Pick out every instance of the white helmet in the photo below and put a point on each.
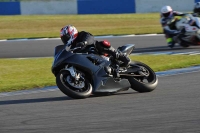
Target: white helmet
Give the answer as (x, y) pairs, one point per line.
(167, 11)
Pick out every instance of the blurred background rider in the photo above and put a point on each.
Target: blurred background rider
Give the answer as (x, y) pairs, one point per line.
(168, 22)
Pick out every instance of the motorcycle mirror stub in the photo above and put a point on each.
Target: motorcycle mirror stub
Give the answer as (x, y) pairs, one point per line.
(127, 48)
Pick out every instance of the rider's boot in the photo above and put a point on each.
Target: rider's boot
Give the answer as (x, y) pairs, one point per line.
(121, 57)
(108, 70)
(171, 44)
(114, 72)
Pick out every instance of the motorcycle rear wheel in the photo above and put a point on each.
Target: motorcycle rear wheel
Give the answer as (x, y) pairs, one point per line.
(62, 81)
(184, 44)
(143, 84)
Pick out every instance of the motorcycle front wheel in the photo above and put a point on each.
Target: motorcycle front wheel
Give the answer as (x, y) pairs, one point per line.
(144, 78)
(82, 89)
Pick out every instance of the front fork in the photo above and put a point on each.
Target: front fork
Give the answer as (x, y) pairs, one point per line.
(76, 76)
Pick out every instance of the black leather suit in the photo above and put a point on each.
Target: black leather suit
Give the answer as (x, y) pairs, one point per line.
(87, 39)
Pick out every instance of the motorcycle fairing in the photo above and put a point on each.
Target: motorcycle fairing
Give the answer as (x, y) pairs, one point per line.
(78, 60)
(103, 83)
(110, 85)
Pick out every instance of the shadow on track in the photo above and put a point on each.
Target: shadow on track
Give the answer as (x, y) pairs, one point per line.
(36, 100)
(113, 94)
(63, 98)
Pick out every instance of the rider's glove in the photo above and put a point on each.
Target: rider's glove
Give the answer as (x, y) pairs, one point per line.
(81, 44)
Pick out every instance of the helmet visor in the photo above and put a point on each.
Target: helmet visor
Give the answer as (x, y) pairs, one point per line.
(166, 14)
(65, 38)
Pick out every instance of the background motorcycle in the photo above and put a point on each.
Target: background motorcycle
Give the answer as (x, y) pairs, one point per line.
(191, 27)
(79, 75)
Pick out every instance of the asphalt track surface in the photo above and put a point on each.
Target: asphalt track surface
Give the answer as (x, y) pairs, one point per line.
(173, 107)
(45, 48)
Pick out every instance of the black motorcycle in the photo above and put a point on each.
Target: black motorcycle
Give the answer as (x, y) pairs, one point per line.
(80, 74)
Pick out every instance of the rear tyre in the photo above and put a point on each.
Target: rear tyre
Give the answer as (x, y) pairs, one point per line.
(78, 91)
(146, 83)
(184, 44)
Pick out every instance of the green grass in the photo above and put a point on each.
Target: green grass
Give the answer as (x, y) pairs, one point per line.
(36, 72)
(36, 26)
(25, 74)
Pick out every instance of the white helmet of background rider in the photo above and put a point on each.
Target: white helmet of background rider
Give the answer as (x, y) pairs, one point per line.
(167, 12)
(68, 34)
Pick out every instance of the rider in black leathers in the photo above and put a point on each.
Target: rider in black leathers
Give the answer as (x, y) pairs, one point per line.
(71, 37)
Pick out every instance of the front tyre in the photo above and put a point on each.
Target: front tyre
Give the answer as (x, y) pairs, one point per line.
(64, 81)
(144, 79)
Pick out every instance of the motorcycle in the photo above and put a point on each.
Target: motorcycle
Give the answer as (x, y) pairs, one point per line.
(191, 27)
(82, 74)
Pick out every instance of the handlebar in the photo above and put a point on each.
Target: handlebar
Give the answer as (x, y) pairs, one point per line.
(74, 49)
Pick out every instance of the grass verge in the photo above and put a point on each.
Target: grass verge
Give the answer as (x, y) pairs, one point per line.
(36, 72)
(37, 26)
